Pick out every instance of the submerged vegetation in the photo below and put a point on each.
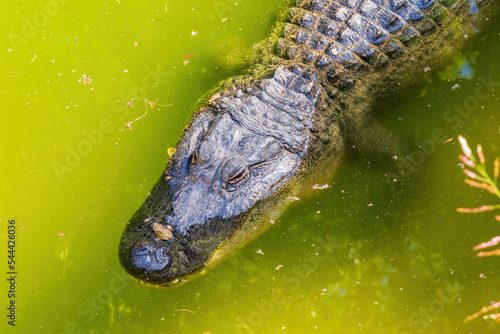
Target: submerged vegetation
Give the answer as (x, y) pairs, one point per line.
(477, 176)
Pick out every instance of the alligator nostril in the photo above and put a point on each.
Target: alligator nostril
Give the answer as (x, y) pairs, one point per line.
(146, 256)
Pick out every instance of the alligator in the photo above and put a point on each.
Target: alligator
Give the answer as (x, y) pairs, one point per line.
(264, 136)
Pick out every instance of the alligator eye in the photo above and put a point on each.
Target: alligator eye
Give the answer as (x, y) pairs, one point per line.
(273, 150)
(237, 176)
(234, 171)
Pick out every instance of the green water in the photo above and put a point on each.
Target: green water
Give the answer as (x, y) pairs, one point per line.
(379, 257)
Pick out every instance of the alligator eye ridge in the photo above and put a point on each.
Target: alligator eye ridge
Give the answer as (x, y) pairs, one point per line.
(235, 173)
(238, 176)
(205, 152)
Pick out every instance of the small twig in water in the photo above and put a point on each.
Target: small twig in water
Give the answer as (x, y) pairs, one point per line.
(152, 104)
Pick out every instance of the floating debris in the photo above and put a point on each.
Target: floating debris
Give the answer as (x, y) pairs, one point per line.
(34, 57)
(187, 55)
(293, 199)
(85, 79)
(152, 104)
(61, 234)
(317, 186)
(171, 151)
(162, 232)
(259, 252)
(427, 69)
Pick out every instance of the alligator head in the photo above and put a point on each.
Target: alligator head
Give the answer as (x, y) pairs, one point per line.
(238, 151)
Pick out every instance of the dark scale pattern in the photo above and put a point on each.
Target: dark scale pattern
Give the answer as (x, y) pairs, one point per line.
(356, 34)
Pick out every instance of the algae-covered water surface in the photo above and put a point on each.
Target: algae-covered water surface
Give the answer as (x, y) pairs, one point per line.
(382, 250)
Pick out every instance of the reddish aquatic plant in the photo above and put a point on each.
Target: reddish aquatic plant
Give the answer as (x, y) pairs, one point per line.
(478, 177)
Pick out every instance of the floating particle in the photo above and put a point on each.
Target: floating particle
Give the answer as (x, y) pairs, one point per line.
(61, 234)
(293, 199)
(86, 79)
(427, 69)
(163, 232)
(317, 186)
(259, 252)
(187, 55)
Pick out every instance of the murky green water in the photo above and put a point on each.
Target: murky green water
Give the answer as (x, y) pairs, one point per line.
(367, 255)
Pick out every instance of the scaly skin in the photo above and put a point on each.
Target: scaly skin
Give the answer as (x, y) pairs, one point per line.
(261, 137)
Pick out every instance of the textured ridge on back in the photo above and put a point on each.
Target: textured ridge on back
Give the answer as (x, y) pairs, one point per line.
(340, 35)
